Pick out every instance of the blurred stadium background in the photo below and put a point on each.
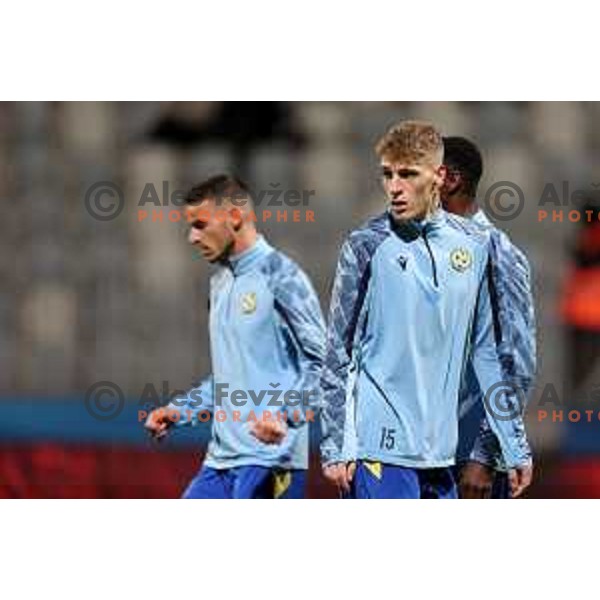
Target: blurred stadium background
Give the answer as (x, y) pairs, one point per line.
(84, 301)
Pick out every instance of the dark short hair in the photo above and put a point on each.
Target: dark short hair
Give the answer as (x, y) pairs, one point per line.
(217, 188)
(462, 155)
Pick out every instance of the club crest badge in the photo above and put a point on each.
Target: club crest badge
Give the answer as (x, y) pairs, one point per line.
(403, 261)
(249, 303)
(461, 259)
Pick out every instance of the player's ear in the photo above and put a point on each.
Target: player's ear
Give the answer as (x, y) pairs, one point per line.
(440, 175)
(452, 181)
(237, 217)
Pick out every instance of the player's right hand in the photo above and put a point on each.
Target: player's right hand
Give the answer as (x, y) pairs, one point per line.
(269, 432)
(157, 423)
(340, 474)
(475, 481)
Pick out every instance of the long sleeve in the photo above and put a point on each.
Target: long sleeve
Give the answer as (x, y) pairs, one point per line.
(502, 401)
(513, 309)
(486, 450)
(349, 290)
(298, 305)
(193, 402)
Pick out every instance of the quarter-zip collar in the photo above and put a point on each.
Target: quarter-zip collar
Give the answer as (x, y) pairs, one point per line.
(245, 261)
(432, 223)
(411, 230)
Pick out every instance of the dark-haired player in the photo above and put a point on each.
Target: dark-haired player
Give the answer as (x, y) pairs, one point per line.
(482, 470)
(266, 336)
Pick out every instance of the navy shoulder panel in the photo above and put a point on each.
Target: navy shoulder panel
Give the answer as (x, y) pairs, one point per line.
(285, 276)
(365, 240)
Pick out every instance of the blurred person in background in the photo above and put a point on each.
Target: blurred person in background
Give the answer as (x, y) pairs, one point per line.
(482, 473)
(266, 333)
(409, 302)
(580, 304)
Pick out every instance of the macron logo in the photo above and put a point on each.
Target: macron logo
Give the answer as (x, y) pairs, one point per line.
(403, 260)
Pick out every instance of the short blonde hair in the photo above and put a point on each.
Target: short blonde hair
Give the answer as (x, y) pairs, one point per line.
(416, 142)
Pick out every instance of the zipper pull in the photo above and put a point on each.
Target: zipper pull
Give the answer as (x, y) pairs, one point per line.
(433, 265)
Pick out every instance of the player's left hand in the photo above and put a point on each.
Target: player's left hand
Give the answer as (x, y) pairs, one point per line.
(269, 432)
(520, 479)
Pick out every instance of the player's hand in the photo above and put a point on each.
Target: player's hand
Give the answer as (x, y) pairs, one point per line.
(520, 479)
(475, 481)
(269, 432)
(157, 423)
(340, 474)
